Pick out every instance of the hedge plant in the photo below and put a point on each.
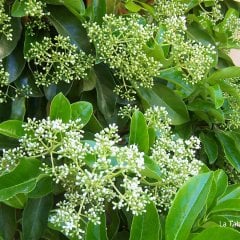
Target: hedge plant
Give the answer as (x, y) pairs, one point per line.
(119, 120)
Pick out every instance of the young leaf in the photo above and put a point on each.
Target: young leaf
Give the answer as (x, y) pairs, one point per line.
(97, 232)
(60, 108)
(218, 233)
(35, 217)
(146, 226)
(12, 128)
(82, 110)
(188, 203)
(139, 132)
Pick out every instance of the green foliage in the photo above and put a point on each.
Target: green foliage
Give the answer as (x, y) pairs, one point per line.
(103, 105)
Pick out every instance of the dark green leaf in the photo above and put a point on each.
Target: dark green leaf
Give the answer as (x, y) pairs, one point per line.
(106, 98)
(147, 225)
(22, 179)
(35, 217)
(188, 203)
(139, 132)
(221, 233)
(60, 108)
(12, 128)
(7, 222)
(210, 146)
(7, 46)
(14, 63)
(82, 110)
(43, 187)
(99, 10)
(97, 232)
(18, 201)
(18, 109)
(113, 222)
(69, 25)
(231, 149)
(162, 96)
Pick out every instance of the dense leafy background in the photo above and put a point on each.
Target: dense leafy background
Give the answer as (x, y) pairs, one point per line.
(204, 203)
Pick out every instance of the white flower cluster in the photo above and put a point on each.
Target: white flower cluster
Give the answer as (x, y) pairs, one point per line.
(192, 57)
(211, 14)
(5, 25)
(99, 171)
(58, 60)
(120, 42)
(195, 59)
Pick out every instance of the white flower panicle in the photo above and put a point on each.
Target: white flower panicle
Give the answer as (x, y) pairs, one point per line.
(120, 43)
(5, 25)
(100, 171)
(58, 60)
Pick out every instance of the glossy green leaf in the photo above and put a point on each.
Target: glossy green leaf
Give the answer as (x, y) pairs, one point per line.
(35, 217)
(221, 180)
(231, 149)
(22, 179)
(82, 110)
(228, 205)
(94, 125)
(207, 107)
(52, 90)
(7, 222)
(188, 203)
(12, 128)
(69, 25)
(18, 9)
(106, 98)
(232, 192)
(99, 9)
(133, 7)
(75, 6)
(210, 146)
(60, 108)
(217, 95)
(17, 201)
(174, 76)
(220, 233)
(151, 169)
(139, 132)
(97, 232)
(43, 187)
(6, 46)
(147, 225)
(162, 96)
(14, 63)
(224, 73)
